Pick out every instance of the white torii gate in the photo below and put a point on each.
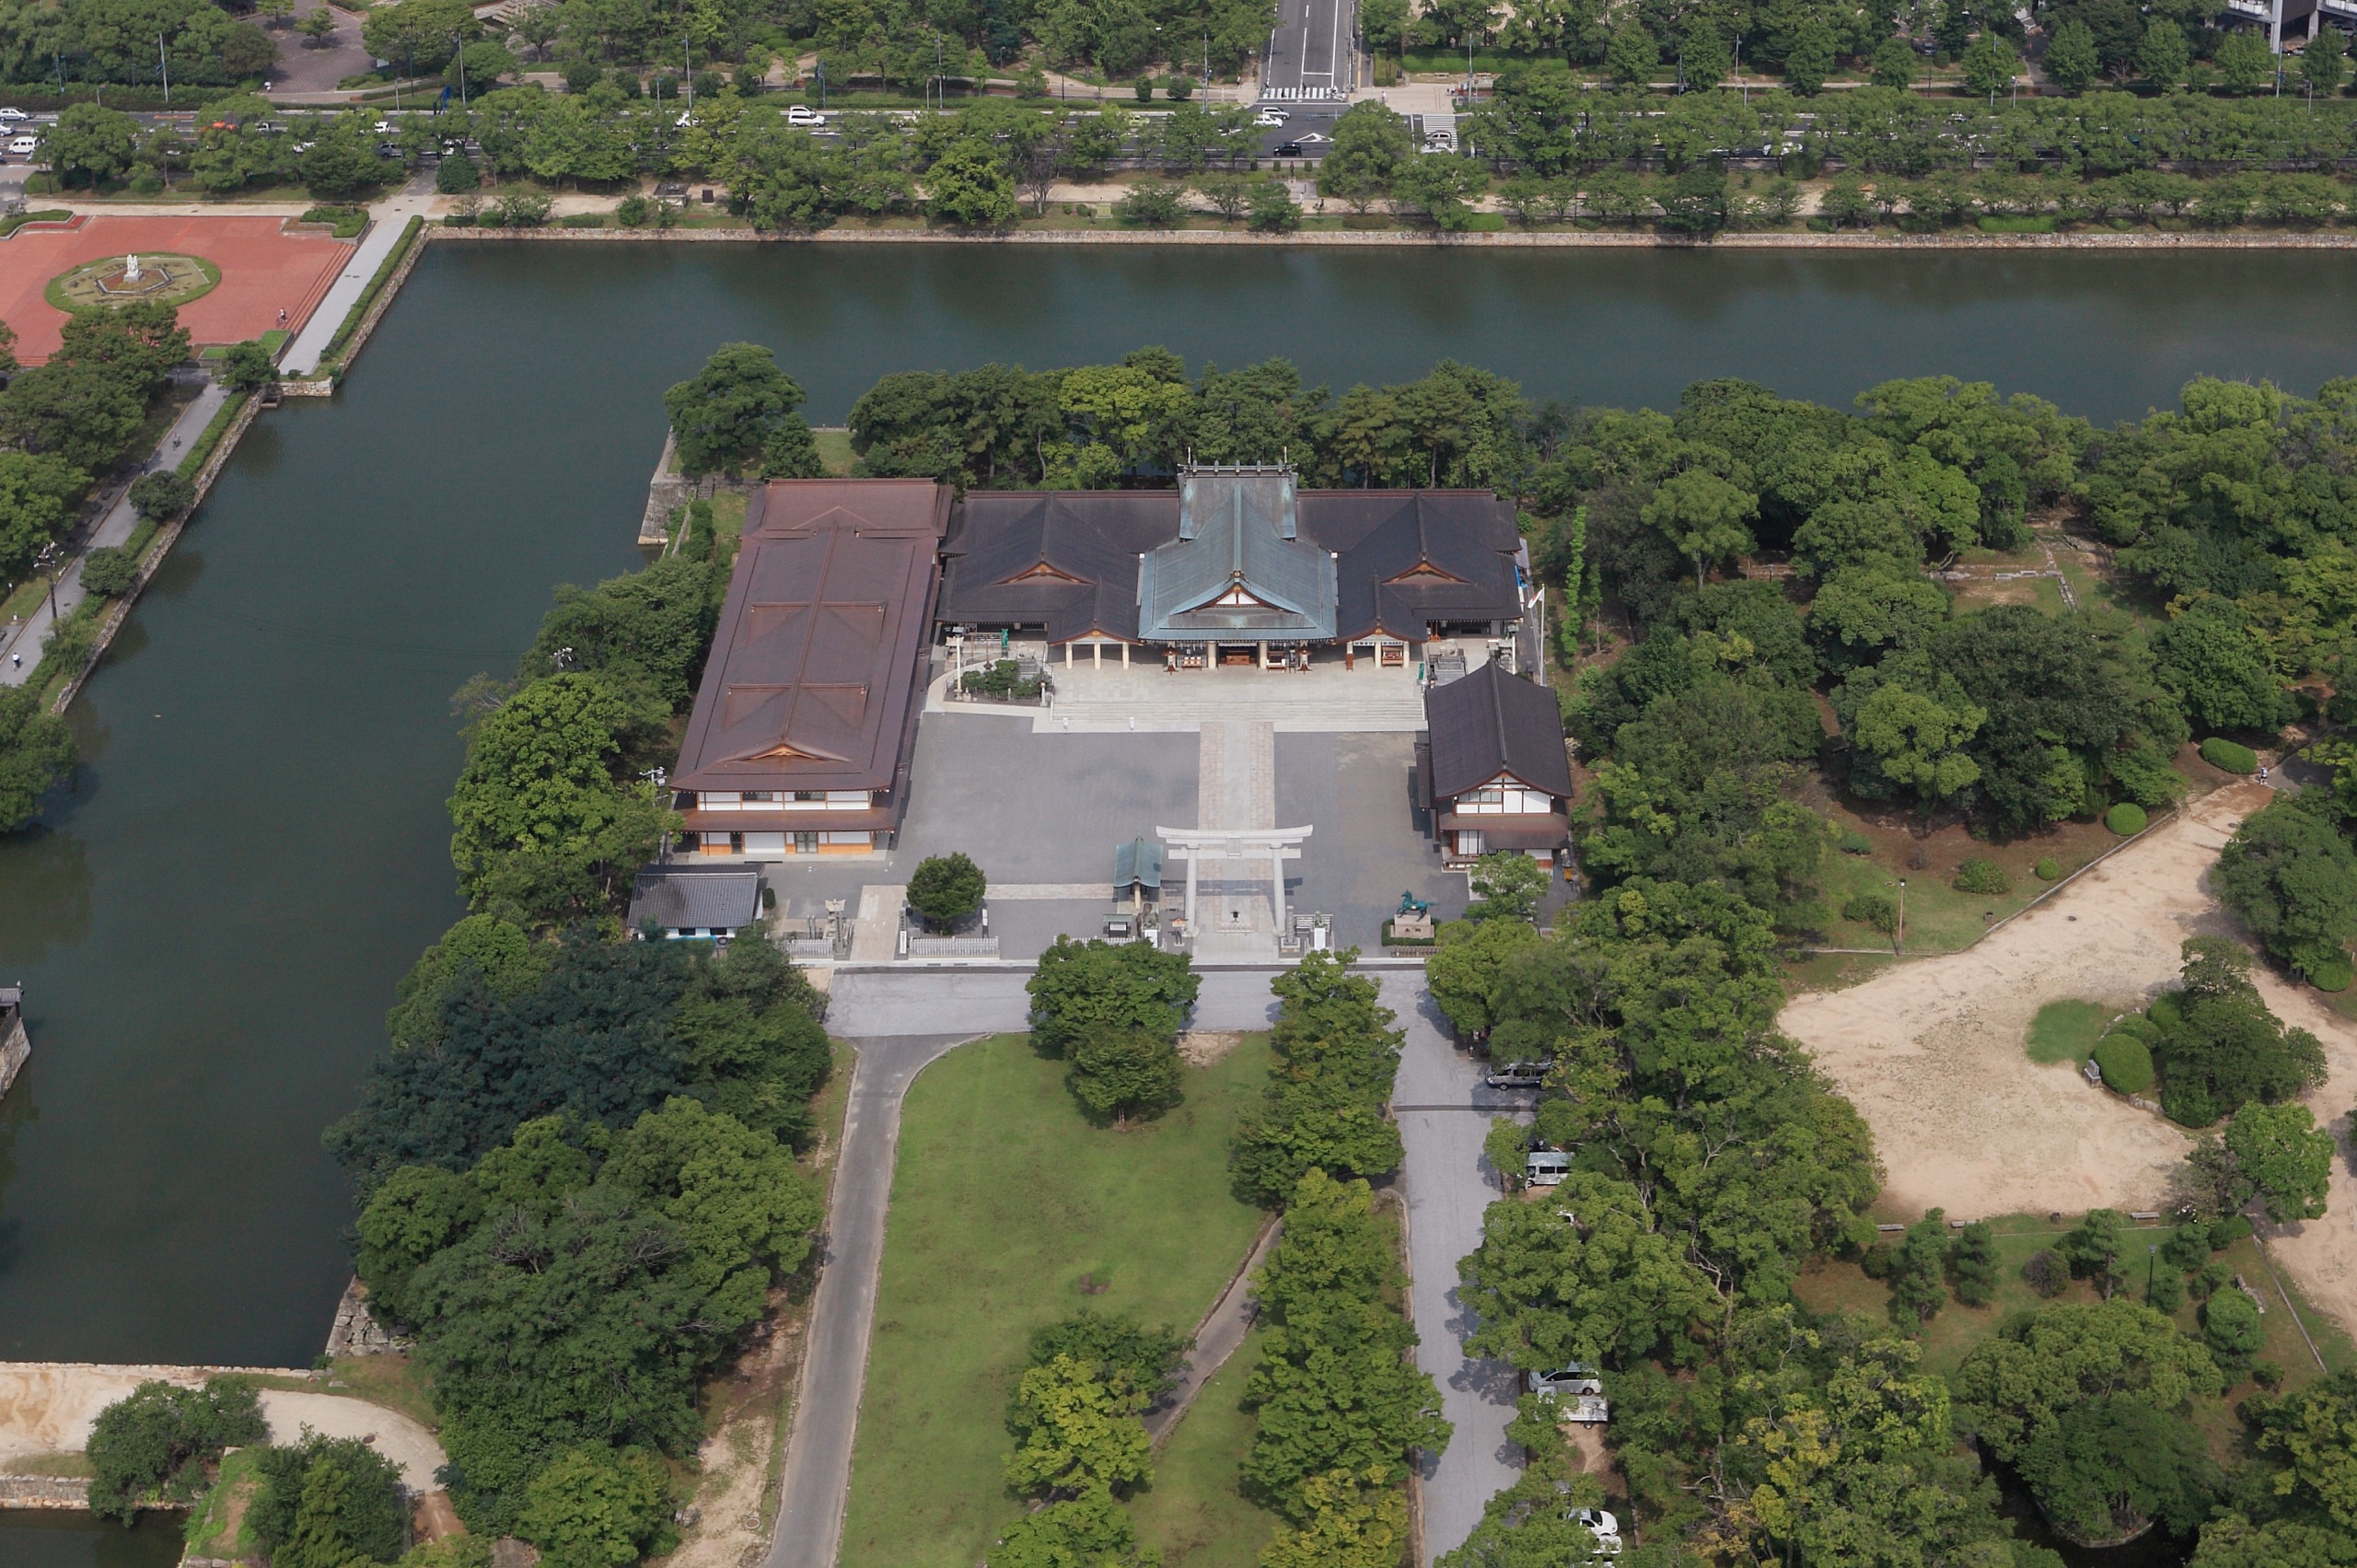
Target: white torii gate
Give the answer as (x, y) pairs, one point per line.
(1276, 845)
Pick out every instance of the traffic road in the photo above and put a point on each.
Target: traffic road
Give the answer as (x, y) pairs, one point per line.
(1312, 53)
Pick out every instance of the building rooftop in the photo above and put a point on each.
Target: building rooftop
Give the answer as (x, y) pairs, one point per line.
(695, 898)
(1491, 723)
(812, 682)
(1239, 567)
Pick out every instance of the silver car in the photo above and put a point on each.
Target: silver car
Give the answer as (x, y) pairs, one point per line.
(1570, 1380)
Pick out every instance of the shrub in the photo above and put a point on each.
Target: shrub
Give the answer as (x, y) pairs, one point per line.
(2228, 756)
(2046, 1274)
(2334, 973)
(2127, 1065)
(2230, 1325)
(457, 175)
(1872, 909)
(597, 1507)
(631, 212)
(159, 1438)
(2209, 1279)
(1855, 843)
(2047, 868)
(457, 220)
(2127, 819)
(582, 220)
(329, 1492)
(2167, 1293)
(1003, 679)
(161, 494)
(110, 570)
(1978, 876)
(945, 889)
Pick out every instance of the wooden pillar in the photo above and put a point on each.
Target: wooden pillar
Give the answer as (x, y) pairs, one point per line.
(1189, 851)
(1096, 655)
(1125, 656)
(1067, 655)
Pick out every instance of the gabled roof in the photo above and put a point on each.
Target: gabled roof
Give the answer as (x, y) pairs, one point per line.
(1238, 566)
(809, 685)
(1067, 560)
(1414, 557)
(1491, 723)
(695, 898)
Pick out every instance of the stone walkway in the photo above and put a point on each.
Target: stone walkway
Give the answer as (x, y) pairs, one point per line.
(390, 216)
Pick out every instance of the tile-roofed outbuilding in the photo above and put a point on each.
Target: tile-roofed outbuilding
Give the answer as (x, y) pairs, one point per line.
(1491, 723)
(695, 898)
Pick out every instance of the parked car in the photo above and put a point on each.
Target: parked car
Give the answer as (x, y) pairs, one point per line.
(803, 114)
(1601, 1523)
(1574, 1378)
(269, 127)
(1519, 1075)
(1288, 149)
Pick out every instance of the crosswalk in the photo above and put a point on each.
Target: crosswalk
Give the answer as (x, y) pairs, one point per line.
(1302, 94)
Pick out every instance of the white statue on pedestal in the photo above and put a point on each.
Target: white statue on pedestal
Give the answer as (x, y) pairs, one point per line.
(131, 269)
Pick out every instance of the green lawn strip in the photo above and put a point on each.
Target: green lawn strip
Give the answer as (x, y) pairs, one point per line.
(202, 447)
(352, 318)
(1195, 1512)
(834, 451)
(2067, 1031)
(1008, 1211)
(16, 221)
(207, 1532)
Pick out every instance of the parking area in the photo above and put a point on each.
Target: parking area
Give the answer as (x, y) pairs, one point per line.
(1358, 791)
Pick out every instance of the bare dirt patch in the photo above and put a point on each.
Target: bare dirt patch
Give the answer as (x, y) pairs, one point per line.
(733, 1497)
(1931, 1053)
(1201, 1048)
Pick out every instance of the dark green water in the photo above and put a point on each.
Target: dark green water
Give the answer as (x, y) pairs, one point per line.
(30, 1539)
(211, 921)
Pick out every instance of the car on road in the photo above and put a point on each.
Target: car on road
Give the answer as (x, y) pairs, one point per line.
(1603, 1525)
(10, 114)
(267, 127)
(1269, 118)
(803, 114)
(1519, 1075)
(384, 128)
(23, 146)
(1287, 149)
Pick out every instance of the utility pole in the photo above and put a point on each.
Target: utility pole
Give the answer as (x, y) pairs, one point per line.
(164, 68)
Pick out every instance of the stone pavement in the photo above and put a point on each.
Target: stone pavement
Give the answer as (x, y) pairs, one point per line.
(391, 216)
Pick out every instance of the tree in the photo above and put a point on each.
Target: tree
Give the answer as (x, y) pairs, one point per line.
(2212, 657)
(317, 25)
(2093, 1248)
(1443, 185)
(1370, 146)
(1153, 203)
(163, 493)
(1704, 517)
(247, 365)
(1972, 1265)
(597, 1507)
(35, 753)
(1356, 1519)
(1696, 200)
(1507, 885)
(158, 1439)
(2070, 57)
(90, 145)
(1633, 56)
(2244, 61)
(328, 1503)
(2231, 1328)
(1917, 743)
(1989, 64)
(968, 186)
(2290, 876)
(1462, 970)
(722, 417)
(2307, 1437)
(541, 821)
(420, 36)
(1274, 209)
(2218, 1045)
(1090, 1530)
(110, 570)
(945, 889)
(1083, 990)
(80, 414)
(2165, 57)
(2113, 1463)
(1127, 1073)
(1335, 1055)
(1810, 59)
(2279, 1156)
(1077, 1433)
(342, 162)
(1916, 1289)
(2324, 63)
(38, 495)
(1893, 64)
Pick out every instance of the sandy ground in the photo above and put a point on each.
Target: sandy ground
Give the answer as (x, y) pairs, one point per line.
(735, 1486)
(397, 1436)
(1931, 1054)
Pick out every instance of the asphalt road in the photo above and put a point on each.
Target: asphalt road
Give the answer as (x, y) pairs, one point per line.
(834, 1366)
(909, 1001)
(1310, 50)
(1444, 1112)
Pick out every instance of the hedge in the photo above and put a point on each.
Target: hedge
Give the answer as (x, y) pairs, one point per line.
(2228, 757)
(16, 221)
(2127, 819)
(2049, 869)
(352, 318)
(2127, 1065)
(1978, 876)
(2335, 973)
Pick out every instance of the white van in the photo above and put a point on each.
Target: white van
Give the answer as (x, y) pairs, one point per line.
(1546, 1168)
(24, 146)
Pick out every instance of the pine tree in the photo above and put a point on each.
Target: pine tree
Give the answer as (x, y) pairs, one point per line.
(1972, 1265)
(1917, 1292)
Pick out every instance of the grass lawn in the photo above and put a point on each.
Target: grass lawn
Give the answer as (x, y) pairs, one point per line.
(1195, 1512)
(1010, 1212)
(834, 450)
(2067, 1031)
(216, 1526)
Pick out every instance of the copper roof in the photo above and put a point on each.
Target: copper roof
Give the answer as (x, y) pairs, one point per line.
(811, 683)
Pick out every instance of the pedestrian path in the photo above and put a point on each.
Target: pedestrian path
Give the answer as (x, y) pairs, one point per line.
(22, 643)
(389, 217)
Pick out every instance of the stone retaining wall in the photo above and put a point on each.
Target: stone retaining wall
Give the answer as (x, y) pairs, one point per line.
(43, 1492)
(1863, 240)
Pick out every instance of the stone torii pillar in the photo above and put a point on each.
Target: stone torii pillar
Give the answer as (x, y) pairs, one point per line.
(1276, 845)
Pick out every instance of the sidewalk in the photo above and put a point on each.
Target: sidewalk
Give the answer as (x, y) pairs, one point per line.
(23, 642)
(391, 215)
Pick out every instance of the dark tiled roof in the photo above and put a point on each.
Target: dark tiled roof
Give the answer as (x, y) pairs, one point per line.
(695, 897)
(1411, 558)
(1067, 560)
(1491, 723)
(811, 680)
